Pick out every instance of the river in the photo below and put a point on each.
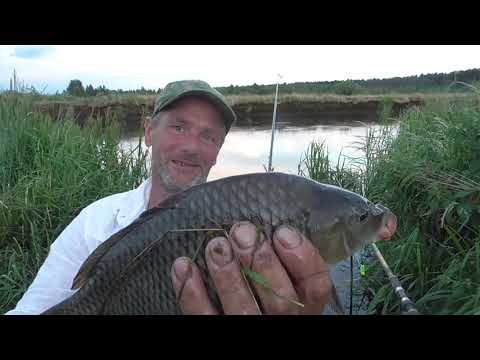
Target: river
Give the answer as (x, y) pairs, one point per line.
(246, 149)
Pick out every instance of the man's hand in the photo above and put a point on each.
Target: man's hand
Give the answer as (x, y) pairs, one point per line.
(290, 264)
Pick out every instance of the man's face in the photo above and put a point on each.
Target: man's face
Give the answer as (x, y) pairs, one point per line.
(185, 143)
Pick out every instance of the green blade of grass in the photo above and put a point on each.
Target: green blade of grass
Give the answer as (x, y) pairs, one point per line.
(258, 279)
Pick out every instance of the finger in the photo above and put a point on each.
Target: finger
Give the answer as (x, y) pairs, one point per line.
(308, 271)
(190, 289)
(233, 292)
(254, 251)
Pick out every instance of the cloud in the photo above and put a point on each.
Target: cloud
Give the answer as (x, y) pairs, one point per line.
(131, 67)
(32, 52)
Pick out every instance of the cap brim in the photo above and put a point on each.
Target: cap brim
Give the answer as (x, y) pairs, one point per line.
(227, 112)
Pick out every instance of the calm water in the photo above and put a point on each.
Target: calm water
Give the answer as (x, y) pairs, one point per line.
(246, 150)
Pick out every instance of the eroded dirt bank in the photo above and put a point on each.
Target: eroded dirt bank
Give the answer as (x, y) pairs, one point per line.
(311, 112)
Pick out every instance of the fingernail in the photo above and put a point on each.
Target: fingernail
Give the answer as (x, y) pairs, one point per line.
(245, 235)
(288, 237)
(220, 251)
(182, 269)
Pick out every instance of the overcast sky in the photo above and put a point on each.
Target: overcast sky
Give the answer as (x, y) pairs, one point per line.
(131, 67)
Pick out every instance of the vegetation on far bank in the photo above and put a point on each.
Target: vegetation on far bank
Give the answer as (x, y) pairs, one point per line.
(423, 83)
(400, 89)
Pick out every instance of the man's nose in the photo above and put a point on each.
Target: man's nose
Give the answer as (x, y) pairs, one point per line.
(194, 145)
(191, 143)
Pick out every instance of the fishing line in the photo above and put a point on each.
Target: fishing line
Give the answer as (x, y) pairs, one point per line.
(270, 169)
(351, 284)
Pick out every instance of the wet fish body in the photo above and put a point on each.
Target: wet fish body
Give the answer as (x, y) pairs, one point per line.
(130, 272)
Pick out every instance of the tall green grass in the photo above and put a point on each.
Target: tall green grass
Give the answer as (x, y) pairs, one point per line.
(49, 171)
(429, 175)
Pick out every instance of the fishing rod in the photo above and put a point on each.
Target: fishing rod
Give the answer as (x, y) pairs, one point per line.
(406, 305)
(270, 169)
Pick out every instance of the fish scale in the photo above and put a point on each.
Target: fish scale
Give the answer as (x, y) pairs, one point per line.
(111, 282)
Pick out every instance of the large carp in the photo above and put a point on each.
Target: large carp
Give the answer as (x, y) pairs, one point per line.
(130, 273)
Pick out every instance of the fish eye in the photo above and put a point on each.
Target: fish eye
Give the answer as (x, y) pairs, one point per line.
(363, 217)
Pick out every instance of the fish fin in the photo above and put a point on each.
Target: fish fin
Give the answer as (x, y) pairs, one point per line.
(84, 273)
(335, 302)
(120, 278)
(94, 258)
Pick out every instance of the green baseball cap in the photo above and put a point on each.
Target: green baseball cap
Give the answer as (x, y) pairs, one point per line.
(180, 89)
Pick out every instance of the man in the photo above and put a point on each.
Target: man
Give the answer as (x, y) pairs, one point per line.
(186, 131)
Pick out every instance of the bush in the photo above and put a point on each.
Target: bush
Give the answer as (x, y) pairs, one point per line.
(75, 88)
(347, 87)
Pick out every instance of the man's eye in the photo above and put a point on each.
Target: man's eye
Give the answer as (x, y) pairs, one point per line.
(210, 138)
(178, 128)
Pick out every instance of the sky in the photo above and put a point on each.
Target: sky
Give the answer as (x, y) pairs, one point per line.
(49, 68)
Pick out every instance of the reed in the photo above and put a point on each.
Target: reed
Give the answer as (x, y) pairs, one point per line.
(427, 170)
(49, 171)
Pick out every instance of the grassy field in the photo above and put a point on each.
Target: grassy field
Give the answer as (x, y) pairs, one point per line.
(48, 172)
(136, 99)
(429, 175)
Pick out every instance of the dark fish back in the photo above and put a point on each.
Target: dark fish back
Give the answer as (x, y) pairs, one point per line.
(114, 286)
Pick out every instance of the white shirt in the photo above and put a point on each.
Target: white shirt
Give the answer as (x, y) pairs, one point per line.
(95, 224)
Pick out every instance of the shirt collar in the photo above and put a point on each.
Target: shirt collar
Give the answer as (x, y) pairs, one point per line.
(135, 203)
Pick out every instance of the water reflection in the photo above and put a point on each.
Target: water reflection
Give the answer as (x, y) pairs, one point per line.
(246, 149)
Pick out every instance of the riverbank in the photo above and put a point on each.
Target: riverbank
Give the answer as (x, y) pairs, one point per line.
(429, 176)
(130, 110)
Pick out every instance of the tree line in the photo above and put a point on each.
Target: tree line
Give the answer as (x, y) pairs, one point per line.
(75, 88)
(435, 82)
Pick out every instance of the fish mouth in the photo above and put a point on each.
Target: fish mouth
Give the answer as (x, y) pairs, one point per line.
(379, 209)
(387, 231)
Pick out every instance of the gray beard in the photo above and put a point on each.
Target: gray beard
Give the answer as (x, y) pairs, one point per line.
(169, 183)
